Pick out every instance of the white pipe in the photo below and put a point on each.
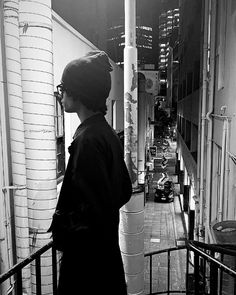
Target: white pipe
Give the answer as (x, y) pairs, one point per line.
(142, 101)
(17, 143)
(211, 42)
(222, 174)
(132, 214)
(227, 170)
(36, 50)
(5, 260)
(203, 118)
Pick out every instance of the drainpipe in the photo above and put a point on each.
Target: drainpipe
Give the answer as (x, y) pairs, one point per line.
(211, 24)
(132, 214)
(203, 119)
(36, 49)
(17, 142)
(222, 171)
(5, 238)
(227, 170)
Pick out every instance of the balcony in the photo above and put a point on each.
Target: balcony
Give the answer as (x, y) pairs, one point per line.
(207, 269)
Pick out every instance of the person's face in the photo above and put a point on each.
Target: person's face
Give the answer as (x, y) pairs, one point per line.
(69, 103)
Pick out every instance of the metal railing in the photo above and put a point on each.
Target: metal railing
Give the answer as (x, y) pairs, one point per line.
(208, 270)
(214, 268)
(16, 271)
(167, 280)
(209, 265)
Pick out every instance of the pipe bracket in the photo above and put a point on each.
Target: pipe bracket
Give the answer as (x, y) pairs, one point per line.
(13, 187)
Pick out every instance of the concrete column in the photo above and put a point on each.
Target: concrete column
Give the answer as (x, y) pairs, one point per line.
(36, 49)
(132, 214)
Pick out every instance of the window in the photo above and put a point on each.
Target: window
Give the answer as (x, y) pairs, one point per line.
(187, 138)
(189, 83)
(194, 141)
(60, 138)
(184, 88)
(196, 75)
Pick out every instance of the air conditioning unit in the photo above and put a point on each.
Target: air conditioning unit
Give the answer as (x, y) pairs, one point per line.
(152, 81)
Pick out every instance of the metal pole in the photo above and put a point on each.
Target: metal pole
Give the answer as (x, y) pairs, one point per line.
(132, 214)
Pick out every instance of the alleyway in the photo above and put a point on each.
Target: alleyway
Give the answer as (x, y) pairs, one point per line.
(164, 229)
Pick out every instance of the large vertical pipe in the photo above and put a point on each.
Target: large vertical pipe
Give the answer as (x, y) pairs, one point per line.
(211, 33)
(17, 142)
(203, 122)
(222, 172)
(227, 171)
(37, 85)
(5, 264)
(132, 214)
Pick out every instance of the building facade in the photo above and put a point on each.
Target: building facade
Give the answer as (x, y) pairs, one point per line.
(206, 115)
(144, 42)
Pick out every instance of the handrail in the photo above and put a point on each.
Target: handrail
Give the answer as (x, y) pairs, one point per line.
(201, 273)
(210, 258)
(202, 251)
(165, 250)
(168, 251)
(17, 269)
(228, 249)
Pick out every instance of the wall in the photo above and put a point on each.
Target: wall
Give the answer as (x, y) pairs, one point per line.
(225, 89)
(88, 17)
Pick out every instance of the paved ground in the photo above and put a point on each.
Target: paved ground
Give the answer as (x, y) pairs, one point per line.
(164, 229)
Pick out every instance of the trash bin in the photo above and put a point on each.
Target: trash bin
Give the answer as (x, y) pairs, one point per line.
(225, 232)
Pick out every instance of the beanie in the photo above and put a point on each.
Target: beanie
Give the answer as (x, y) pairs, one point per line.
(89, 77)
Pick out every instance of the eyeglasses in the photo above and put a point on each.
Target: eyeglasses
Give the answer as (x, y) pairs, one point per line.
(61, 89)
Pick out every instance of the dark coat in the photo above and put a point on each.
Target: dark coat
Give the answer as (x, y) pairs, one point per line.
(96, 185)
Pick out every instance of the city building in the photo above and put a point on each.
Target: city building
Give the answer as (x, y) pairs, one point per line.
(144, 43)
(168, 24)
(168, 36)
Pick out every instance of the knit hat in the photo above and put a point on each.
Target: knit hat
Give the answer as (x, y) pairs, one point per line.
(89, 78)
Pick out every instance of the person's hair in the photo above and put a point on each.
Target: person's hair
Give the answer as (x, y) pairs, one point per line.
(92, 103)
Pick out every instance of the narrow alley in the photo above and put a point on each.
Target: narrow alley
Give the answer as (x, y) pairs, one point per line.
(164, 229)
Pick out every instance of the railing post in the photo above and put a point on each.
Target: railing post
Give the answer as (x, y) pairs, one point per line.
(19, 282)
(150, 274)
(38, 275)
(213, 279)
(54, 270)
(196, 273)
(168, 272)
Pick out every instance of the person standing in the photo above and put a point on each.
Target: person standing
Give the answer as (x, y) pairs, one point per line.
(95, 186)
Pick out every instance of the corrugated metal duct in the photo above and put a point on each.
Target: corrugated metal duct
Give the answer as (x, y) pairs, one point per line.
(37, 84)
(17, 142)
